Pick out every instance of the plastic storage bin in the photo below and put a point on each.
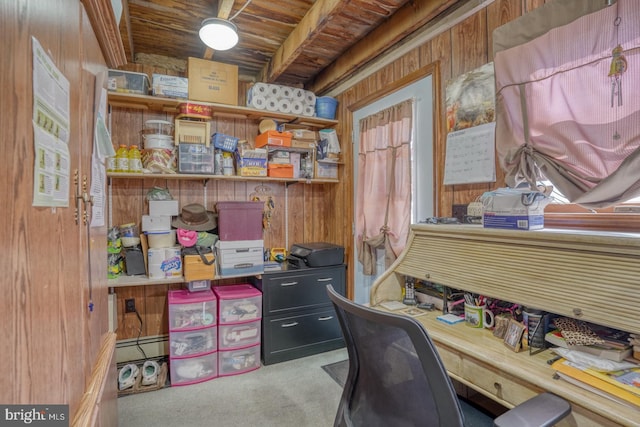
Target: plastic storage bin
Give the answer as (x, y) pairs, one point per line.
(195, 158)
(237, 335)
(224, 142)
(326, 107)
(128, 82)
(240, 220)
(189, 311)
(193, 369)
(238, 361)
(192, 343)
(238, 303)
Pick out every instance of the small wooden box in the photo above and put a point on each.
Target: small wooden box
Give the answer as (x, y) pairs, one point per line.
(194, 269)
(192, 132)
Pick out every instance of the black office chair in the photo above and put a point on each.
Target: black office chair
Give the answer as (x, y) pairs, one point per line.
(396, 378)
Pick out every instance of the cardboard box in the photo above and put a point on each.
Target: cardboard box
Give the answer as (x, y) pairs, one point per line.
(163, 207)
(513, 209)
(156, 223)
(169, 86)
(195, 269)
(212, 81)
(280, 170)
(272, 137)
(251, 166)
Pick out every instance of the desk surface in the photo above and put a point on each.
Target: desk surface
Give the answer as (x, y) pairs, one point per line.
(478, 359)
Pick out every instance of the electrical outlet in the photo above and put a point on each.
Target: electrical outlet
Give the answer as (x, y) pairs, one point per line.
(130, 305)
(459, 211)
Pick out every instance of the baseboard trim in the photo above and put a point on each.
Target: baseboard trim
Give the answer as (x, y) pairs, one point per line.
(154, 347)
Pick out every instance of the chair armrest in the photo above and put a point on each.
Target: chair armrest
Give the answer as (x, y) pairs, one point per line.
(545, 409)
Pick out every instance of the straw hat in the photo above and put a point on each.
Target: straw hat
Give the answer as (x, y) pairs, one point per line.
(195, 217)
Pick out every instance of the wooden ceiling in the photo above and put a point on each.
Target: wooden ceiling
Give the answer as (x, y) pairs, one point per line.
(290, 42)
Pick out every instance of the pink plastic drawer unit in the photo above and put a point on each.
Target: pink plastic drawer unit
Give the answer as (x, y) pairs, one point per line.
(194, 369)
(191, 310)
(238, 361)
(238, 335)
(238, 303)
(193, 343)
(240, 220)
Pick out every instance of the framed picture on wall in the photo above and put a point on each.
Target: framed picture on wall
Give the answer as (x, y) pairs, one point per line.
(513, 335)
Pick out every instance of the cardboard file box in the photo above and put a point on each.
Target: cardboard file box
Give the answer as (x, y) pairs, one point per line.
(211, 81)
(240, 257)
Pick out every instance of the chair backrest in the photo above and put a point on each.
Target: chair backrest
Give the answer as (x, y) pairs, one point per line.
(396, 377)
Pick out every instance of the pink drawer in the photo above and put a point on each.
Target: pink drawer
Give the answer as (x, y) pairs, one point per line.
(193, 343)
(193, 370)
(238, 335)
(238, 361)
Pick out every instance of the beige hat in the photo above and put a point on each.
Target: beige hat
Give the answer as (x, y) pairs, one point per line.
(195, 217)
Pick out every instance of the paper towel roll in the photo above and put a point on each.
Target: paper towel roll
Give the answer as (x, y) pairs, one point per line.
(284, 105)
(309, 98)
(273, 91)
(286, 92)
(308, 110)
(260, 89)
(297, 107)
(297, 94)
(272, 104)
(258, 102)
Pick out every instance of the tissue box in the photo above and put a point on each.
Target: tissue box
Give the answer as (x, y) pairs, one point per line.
(513, 209)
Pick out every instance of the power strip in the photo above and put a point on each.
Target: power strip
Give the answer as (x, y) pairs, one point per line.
(474, 209)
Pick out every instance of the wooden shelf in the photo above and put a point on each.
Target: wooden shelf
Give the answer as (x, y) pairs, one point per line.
(169, 105)
(140, 280)
(205, 177)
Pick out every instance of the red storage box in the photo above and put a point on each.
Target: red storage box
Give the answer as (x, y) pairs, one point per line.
(239, 220)
(272, 137)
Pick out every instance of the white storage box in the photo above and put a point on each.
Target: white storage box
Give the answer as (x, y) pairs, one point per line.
(193, 343)
(238, 257)
(234, 362)
(163, 207)
(238, 335)
(170, 86)
(156, 223)
(513, 209)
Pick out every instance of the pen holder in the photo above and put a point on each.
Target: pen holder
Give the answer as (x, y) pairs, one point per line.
(477, 316)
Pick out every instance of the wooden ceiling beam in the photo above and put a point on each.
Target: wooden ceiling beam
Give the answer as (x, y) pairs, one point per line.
(303, 35)
(103, 21)
(125, 30)
(406, 20)
(224, 11)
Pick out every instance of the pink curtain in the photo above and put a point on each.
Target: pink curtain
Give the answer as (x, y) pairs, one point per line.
(383, 204)
(566, 113)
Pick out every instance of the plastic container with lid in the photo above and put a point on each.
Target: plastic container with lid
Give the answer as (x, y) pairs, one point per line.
(238, 303)
(158, 127)
(122, 159)
(135, 159)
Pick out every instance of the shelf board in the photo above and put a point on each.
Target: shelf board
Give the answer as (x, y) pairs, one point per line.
(200, 177)
(140, 280)
(170, 105)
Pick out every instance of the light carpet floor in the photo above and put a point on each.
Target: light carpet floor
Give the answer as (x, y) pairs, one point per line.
(296, 393)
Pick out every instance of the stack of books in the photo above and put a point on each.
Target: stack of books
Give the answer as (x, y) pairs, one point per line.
(621, 386)
(608, 350)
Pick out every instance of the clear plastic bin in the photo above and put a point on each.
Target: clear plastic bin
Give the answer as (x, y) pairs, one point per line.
(189, 311)
(193, 370)
(238, 303)
(238, 361)
(238, 335)
(193, 343)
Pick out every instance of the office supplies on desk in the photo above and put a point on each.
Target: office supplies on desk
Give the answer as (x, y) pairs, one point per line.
(450, 318)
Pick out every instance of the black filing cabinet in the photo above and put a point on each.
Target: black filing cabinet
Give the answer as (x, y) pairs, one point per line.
(298, 318)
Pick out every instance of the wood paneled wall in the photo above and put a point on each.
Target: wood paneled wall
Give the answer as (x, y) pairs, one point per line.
(315, 212)
(456, 51)
(52, 267)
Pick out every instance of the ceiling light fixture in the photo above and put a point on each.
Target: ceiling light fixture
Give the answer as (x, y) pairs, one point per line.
(218, 34)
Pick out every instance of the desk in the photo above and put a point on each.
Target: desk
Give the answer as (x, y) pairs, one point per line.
(580, 275)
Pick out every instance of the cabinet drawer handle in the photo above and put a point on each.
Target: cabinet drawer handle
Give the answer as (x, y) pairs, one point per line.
(288, 325)
(323, 319)
(288, 283)
(326, 279)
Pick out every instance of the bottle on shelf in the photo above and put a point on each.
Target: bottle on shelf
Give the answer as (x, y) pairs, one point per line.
(122, 159)
(135, 159)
